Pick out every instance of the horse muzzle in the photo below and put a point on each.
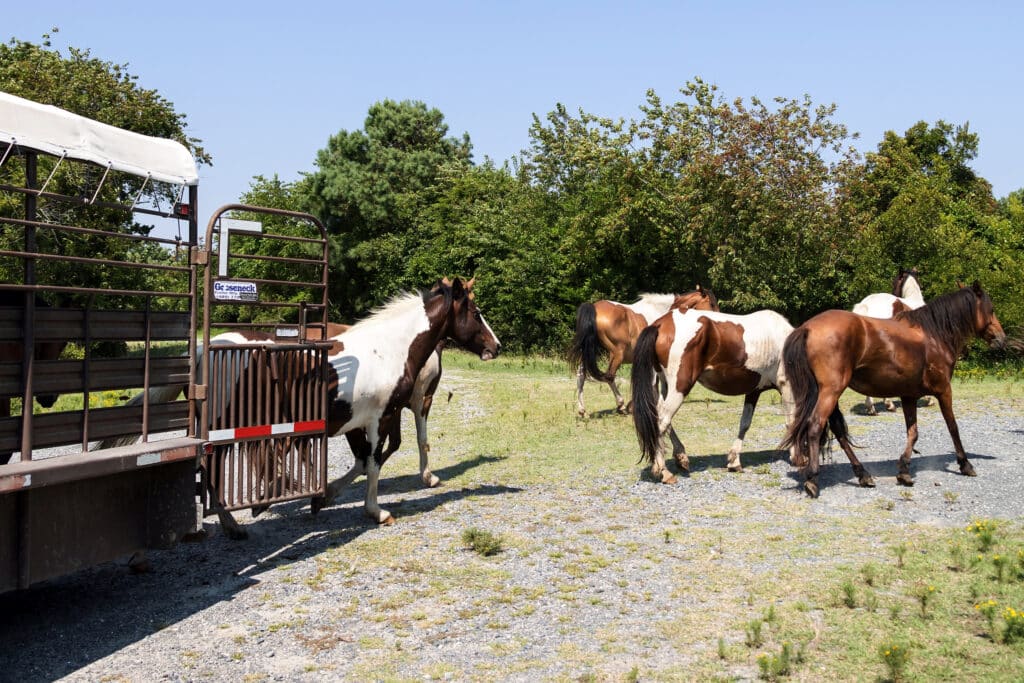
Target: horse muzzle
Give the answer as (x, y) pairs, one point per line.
(490, 354)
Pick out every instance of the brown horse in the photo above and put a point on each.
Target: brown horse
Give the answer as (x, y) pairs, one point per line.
(610, 327)
(910, 356)
(729, 354)
(906, 295)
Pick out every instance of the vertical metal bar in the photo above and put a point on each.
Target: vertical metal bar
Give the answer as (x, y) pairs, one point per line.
(148, 322)
(28, 318)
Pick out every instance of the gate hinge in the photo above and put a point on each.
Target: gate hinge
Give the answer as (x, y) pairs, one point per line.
(197, 392)
(200, 257)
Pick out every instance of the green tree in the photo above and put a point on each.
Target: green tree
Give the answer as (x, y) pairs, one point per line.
(106, 92)
(370, 187)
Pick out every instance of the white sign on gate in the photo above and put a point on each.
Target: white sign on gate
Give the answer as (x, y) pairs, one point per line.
(235, 290)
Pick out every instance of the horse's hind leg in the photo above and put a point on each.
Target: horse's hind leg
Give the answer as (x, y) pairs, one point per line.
(667, 408)
(613, 367)
(581, 379)
(733, 458)
(946, 406)
(838, 425)
(910, 418)
(421, 413)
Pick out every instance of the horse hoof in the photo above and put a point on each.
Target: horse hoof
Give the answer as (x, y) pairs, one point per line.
(667, 478)
(867, 482)
(257, 510)
(316, 504)
(811, 489)
(387, 521)
(735, 468)
(967, 469)
(904, 480)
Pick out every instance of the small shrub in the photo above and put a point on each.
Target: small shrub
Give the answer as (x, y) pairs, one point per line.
(482, 542)
(849, 594)
(753, 633)
(984, 531)
(773, 667)
(869, 572)
(900, 551)
(722, 652)
(1014, 631)
(1001, 564)
(988, 609)
(925, 593)
(895, 658)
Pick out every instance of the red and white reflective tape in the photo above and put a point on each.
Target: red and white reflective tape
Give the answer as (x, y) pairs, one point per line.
(267, 430)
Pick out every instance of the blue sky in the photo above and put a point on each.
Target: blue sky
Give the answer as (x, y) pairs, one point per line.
(265, 84)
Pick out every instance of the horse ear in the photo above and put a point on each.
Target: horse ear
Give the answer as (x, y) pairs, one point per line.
(977, 287)
(446, 282)
(700, 289)
(960, 284)
(469, 285)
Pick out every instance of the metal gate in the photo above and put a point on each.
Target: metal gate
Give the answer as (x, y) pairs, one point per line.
(263, 390)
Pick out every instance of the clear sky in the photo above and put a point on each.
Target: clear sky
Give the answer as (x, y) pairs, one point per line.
(264, 84)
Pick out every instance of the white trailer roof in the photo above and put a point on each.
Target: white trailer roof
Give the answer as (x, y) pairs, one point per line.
(55, 131)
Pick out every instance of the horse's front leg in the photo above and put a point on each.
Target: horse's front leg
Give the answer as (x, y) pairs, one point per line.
(733, 458)
(945, 399)
(373, 464)
(869, 406)
(910, 418)
(360, 448)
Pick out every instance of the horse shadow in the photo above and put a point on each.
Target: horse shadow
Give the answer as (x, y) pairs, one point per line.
(719, 462)
(101, 610)
(836, 471)
(860, 409)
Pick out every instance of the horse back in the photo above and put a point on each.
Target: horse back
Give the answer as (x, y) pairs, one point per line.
(618, 325)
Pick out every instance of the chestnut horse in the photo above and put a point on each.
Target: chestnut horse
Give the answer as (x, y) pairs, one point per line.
(728, 354)
(610, 327)
(910, 356)
(906, 295)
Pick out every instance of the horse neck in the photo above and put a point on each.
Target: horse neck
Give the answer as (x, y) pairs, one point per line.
(652, 306)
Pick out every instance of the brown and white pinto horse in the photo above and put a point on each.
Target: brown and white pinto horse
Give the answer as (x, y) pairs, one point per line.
(729, 354)
(374, 367)
(910, 356)
(906, 296)
(608, 327)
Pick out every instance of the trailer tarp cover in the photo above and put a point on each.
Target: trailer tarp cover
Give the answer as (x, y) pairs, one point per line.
(55, 131)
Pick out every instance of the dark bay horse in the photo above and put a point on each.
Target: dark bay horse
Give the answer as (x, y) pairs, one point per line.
(608, 327)
(910, 356)
(729, 354)
(906, 295)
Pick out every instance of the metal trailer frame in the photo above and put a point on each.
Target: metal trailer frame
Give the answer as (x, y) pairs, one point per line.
(60, 513)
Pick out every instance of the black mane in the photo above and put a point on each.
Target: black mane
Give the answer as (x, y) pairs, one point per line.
(949, 317)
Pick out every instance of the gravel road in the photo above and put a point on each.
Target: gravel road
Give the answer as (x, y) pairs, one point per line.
(595, 580)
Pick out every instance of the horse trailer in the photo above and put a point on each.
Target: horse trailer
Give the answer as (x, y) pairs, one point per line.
(109, 290)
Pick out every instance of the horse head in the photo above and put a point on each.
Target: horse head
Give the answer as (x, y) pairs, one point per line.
(907, 284)
(986, 323)
(701, 298)
(467, 326)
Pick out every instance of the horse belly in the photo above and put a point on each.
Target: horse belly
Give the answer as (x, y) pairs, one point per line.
(887, 380)
(730, 381)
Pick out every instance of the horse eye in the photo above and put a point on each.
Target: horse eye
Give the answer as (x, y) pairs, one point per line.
(477, 316)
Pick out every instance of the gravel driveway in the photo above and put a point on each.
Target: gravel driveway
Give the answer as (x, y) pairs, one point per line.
(595, 579)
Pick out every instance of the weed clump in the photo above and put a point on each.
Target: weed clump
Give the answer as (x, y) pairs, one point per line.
(482, 542)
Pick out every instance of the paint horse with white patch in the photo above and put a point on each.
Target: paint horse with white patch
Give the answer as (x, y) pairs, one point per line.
(373, 377)
(729, 354)
(608, 327)
(906, 296)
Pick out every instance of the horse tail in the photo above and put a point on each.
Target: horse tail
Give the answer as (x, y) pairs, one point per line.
(585, 347)
(645, 396)
(804, 386)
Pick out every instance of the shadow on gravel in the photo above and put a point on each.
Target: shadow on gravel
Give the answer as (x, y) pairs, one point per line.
(837, 470)
(57, 627)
